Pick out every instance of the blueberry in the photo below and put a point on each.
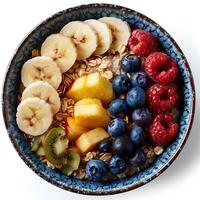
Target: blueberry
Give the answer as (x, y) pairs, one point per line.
(141, 116)
(139, 79)
(105, 145)
(123, 146)
(96, 169)
(137, 136)
(138, 159)
(117, 164)
(135, 97)
(121, 84)
(118, 108)
(130, 63)
(117, 127)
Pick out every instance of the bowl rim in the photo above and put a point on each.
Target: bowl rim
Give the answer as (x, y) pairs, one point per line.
(4, 111)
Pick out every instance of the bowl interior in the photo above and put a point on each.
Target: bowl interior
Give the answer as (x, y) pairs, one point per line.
(34, 40)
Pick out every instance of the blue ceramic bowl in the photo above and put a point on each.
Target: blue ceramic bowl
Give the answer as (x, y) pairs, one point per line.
(34, 40)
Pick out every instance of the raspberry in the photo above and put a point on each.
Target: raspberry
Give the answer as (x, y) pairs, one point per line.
(142, 43)
(161, 68)
(163, 130)
(161, 98)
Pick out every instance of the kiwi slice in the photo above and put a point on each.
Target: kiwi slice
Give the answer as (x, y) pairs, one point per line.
(40, 151)
(35, 143)
(73, 161)
(55, 146)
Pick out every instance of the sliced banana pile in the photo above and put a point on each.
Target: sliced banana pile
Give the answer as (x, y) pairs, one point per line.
(35, 112)
(39, 102)
(42, 75)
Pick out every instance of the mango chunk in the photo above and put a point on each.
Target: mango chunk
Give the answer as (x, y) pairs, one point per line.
(77, 90)
(89, 101)
(91, 115)
(91, 86)
(89, 140)
(73, 129)
(99, 87)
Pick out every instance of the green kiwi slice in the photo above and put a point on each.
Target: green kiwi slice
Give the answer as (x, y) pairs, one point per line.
(55, 146)
(40, 151)
(73, 161)
(35, 143)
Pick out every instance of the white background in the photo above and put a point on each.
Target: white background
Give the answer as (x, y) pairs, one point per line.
(181, 20)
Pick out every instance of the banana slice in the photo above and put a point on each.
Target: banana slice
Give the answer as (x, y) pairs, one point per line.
(44, 91)
(34, 116)
(120, 31)
(84, 37)
(104, 36)
(41, 68)
(61, 49)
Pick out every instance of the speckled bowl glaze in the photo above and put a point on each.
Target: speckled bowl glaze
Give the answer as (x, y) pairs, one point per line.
(34, 40)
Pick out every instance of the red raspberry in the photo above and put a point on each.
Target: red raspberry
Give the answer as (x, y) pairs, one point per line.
(161, 68)
(161, 98)
(163, 130)
(142, 43)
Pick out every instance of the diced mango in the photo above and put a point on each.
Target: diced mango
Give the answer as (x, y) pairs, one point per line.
(89, 101)
(91, 115)
(91, 86)
(77, 90)
(73, 129)
(99, 87)
(89, 140)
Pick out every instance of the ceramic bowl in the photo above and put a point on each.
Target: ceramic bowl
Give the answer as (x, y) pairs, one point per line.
(34, 40)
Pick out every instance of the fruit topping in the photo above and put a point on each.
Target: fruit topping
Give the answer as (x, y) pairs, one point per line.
(83, 36)
(87, 101)
(139, 79)
(35, 143)
(55, 146)
(161, 68)
(142, 43)
(105, 145)
(118, 108)
(44, 91)
(73, 129)
(120, 32)
(91, 115)
(117, 164)
(91, 86)
(138, 136)
(61, 49)
(130, 63)
(141, 116)
(123, 146)
(135, 97)
(163, 130)
(161, 98)
(41, 68)
(91, 139)
(121, 84)
(34, 116)
(117, 127)
(72, 163)
(138, 159)
(77, 90)
(104, 36)
(96, 169)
